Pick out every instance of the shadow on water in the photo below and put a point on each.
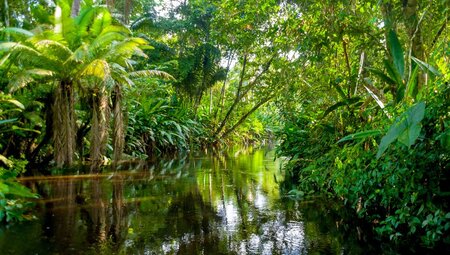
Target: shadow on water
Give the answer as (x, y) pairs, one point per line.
(198, 204)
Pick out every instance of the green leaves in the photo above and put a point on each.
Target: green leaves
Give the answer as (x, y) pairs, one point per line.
(345, 102)
(406, 128)
(426, 67)
(396, 53)
(360, 135)
(19, 32)
(15, 188)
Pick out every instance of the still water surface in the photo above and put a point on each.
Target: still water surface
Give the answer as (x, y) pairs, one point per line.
(197, 204)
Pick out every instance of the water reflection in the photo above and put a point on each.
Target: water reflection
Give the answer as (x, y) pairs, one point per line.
(199, 204)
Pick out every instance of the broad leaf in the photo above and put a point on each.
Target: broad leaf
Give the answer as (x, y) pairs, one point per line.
(426, 67)
(397, 53)
(382, 76)
(406, 128)
(411, 86)
(393, 73)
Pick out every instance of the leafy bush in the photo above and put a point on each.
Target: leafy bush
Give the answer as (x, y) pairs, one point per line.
(157, 125)
(14, 205)
(404, 193)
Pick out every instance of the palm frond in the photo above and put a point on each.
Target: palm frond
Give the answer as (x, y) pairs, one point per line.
(64, 24)
(105, 40)
(80, 53)
(53, 49)
(116, 29)
(98, 68)
(11, 46)
(151, 73)
(101, 21)
(16, 32)
(124, 49)
(84, 20)
(25, 55)
(20, 81)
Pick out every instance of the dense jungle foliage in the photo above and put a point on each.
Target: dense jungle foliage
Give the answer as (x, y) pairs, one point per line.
(356, 93)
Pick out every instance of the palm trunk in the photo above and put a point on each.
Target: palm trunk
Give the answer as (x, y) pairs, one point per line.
(76, 4)
(99, 130)
(64, 124)
(118, 128)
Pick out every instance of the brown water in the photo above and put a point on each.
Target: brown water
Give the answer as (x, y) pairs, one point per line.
(197, 204)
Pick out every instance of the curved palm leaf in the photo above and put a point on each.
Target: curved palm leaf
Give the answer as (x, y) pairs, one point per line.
(151, 73)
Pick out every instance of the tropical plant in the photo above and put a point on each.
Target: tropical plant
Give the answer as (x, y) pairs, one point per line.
(13, 195)
(88, 52)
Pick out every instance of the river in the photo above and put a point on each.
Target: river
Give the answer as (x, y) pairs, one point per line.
(194, 204)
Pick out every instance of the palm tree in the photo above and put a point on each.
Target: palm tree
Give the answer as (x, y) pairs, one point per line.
(87, 52)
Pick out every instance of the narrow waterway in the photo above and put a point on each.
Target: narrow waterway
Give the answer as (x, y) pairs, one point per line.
(197, 204)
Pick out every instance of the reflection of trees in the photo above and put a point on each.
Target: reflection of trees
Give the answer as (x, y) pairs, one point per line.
(77, 206)
(119, 221)
(217, 205)
(60, 211)
(194, 223)
(106, 221)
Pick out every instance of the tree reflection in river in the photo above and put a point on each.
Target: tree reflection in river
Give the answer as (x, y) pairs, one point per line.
(225, 204)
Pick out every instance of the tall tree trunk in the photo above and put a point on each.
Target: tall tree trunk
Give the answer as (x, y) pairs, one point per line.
(245, 116)
(242, 92)
(237, 98)
(6, 16)
(6, 13)
(118, 126)
(76, 5)
(210, 101)
(415, 36)
(222, 91)
(110, 4)
(127, 11)
(99, 130)
(64, 124)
